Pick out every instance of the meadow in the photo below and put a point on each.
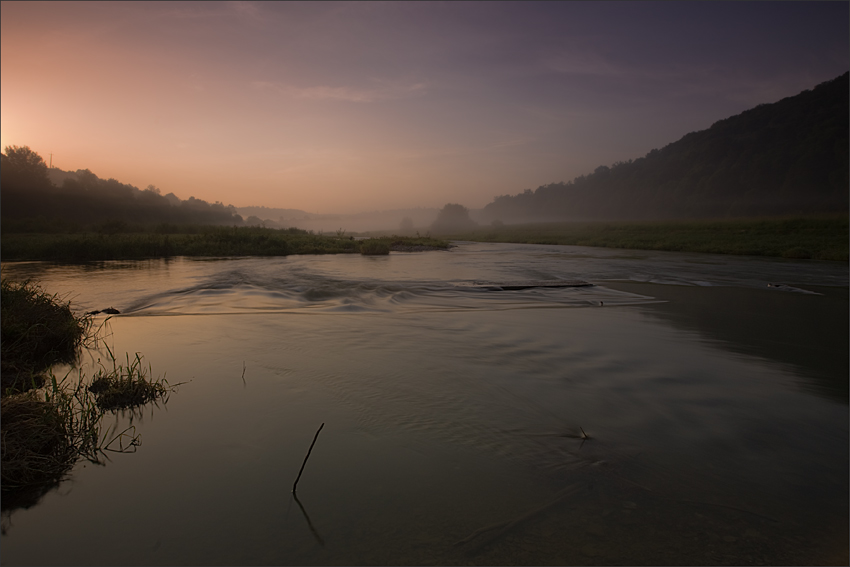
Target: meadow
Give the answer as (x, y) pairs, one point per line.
(820, 238)
(194, 241)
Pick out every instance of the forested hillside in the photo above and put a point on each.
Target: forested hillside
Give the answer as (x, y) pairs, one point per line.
(31, 202)
(790, 157)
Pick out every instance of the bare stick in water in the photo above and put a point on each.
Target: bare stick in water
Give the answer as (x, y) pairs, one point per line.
(305, 458)
(243, 373)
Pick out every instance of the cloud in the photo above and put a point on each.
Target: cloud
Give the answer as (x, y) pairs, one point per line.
(383, 91)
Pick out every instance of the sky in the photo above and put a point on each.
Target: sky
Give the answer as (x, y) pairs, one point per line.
(352, 107)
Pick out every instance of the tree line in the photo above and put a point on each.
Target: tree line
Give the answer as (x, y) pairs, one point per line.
(789, 157)
(31, 202)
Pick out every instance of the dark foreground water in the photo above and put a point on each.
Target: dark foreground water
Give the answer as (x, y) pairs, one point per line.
(716, 406)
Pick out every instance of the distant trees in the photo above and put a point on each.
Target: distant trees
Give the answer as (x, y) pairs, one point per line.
(453, 218)
(406, 226)
(22, 169)
(30, 201)
(790, 157)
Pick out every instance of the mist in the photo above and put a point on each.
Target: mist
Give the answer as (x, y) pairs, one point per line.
(401, 221)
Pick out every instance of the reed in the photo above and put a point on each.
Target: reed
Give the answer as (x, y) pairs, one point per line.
(45, 433)
(127, 385)
(49, 423)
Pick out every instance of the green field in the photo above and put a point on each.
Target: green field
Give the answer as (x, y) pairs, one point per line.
(210, 241)
(821, 238)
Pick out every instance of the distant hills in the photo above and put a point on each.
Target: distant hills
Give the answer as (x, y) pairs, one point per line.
(785, 158)
(789, 157)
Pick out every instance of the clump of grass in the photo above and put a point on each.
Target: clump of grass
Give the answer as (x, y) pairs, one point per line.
(47, 430)
(373, 247)
(127, 386)
(37, 330)
(44, 434)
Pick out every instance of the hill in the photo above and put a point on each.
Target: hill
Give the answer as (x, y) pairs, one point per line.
(785, 158)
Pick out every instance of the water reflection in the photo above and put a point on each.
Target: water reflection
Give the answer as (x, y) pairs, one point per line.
(807, 332)
(681, 422)
(313, 530)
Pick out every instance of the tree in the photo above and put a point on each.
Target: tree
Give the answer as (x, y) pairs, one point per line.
(406, 225)
(453, 218)
(23, 169)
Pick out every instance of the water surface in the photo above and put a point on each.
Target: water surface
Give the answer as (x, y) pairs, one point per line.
(716, 408)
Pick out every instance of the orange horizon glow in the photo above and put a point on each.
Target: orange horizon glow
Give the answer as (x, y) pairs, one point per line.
(355, 107)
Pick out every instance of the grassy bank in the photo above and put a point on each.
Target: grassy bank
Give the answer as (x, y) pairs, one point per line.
(822, 238)
(38, 331)
(210, 241)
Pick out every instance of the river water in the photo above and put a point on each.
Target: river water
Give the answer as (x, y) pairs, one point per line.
(678, 411)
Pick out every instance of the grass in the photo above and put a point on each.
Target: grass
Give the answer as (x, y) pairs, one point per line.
(200, 241)
(127, 386)
(821, 238)
(49, 425)
(374, 247)
(45, 432)
(38, 331)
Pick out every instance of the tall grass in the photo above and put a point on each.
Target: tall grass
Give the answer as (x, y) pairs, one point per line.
(37, 330)
(46, 431)
(49, 424)
(127, 386)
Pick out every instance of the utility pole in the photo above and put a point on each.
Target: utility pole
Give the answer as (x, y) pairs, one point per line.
(51, 161)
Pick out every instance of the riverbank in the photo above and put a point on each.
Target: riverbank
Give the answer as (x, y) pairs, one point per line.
(210, 242)
(819, 238)
(38, 331)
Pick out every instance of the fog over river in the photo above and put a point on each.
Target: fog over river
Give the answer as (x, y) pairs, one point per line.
(680, 410)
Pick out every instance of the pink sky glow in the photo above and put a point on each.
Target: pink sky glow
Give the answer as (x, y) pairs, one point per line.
(350, 107)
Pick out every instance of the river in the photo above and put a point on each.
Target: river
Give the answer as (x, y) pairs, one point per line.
(681, 410)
